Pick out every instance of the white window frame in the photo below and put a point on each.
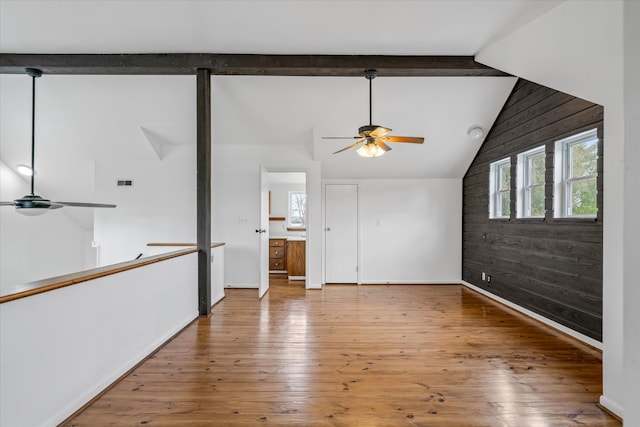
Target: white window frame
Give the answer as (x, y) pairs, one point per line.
(562, 173)
(524, 185)
(289, 211)
(495, 192)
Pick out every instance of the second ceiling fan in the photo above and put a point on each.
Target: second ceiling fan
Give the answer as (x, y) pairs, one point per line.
(32, 204)
(374, 137)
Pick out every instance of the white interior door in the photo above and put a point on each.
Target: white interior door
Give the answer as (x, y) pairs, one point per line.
(341, 233)
(262, 231)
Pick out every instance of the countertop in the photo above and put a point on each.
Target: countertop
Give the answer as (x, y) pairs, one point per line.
(290, 238)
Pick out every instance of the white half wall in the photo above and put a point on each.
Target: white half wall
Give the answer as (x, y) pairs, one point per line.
(409, 230)
(37, 247)
(236, 206)
(217, 274)
(577, 48)
(160, 207)
(59, 349)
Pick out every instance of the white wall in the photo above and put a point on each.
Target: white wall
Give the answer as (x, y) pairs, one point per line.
(159, 207)
(60, 348)
(577, 48)
(409, 230)
(236, 206)
(631, 209)
(217, 274)
(280, 207)
(33, 248)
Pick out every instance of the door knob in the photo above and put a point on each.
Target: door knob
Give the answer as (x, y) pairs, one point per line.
(261, 231)
(328, 229)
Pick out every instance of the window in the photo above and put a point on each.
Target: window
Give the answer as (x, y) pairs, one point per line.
(531, 170)
(576, 173)
(500, 189)
(297, 209)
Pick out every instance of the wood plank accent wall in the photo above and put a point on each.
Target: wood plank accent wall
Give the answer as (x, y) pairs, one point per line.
(551, 266)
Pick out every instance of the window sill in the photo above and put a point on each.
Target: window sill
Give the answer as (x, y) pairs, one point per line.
(531, 219)
(574, 219)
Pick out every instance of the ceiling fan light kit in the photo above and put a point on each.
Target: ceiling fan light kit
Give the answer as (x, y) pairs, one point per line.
(373, 136)
(370, 150)
(32, 204)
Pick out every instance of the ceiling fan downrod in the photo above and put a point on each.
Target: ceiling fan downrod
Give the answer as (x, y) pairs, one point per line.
(34, 73)
(370, 75)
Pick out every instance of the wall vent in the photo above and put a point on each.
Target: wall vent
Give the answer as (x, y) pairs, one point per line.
(125, 183)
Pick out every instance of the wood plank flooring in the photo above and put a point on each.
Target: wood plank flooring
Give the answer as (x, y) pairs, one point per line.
(347, 355)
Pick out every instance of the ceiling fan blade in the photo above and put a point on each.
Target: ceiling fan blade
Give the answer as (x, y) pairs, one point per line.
(350, 146)
(409, 139)
(85, 205)
(379, 131)
(341, 137)
(382, 145)
(7, 204)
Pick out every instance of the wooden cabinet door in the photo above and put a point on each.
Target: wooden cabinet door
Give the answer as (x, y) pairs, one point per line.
(296, 258)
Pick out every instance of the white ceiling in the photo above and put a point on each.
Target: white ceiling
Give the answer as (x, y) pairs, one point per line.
(83, 118)
(431, 27)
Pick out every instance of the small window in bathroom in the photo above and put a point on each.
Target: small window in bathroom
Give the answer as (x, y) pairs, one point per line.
(297, 210)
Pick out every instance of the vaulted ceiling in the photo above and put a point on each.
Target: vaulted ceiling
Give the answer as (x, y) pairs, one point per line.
(84, 118)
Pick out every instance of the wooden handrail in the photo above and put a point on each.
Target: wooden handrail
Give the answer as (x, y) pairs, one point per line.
(213, 245)
(45, 285)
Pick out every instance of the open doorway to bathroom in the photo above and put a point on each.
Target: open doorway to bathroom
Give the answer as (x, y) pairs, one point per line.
(287, 228)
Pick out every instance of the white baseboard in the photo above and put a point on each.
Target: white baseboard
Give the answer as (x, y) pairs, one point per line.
(217, 298)
(85, 397)
(240, 286)
(577, 335)
(409, 282)
(297, 277)
(611, 405)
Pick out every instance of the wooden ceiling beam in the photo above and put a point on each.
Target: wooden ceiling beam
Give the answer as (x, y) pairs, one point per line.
(248, 65)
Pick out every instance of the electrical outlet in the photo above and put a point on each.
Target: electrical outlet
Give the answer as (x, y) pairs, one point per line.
(484, 276)
(488, 278)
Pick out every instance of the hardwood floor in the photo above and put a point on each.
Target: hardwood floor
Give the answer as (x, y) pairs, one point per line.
(347, 355)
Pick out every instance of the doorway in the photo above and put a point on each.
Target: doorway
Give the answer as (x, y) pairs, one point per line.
(284, 219)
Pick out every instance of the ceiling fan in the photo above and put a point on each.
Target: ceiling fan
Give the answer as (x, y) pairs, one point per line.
(374, 137)
(32, 204)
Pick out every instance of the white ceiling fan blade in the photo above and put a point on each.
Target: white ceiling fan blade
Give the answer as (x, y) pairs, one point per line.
(382, 145)
(350, 146)
(379, 131)
(85, 205)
